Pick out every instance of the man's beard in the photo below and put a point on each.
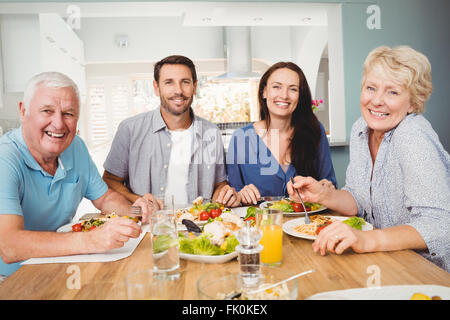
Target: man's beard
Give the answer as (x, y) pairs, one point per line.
(165, 105)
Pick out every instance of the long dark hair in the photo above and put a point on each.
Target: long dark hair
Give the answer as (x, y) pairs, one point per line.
(306, 137)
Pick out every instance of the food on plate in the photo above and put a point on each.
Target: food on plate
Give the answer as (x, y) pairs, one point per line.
(201, 211)
(287, 205)
(250, 216)
(318, 223)
(355, 222)
(217, 237)
(91, 224)
(421, 296)
(231, 221)
(191, 226)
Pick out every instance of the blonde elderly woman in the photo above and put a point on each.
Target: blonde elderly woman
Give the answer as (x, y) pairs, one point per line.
(398, 178)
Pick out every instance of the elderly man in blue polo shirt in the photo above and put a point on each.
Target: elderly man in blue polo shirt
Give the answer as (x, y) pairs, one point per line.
(45, 171)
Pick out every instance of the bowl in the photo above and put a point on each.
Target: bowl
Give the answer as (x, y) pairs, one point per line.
(224, 282)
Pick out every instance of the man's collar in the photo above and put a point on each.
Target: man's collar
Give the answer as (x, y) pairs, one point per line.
(64, 158)
(159, 124)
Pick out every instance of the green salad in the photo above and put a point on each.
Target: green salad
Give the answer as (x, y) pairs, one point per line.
(355, 222)
(202, 245)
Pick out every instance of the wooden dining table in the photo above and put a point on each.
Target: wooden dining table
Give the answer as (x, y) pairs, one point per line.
(332, 272)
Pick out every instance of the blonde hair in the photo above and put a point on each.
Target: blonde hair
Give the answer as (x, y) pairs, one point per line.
(404, 66)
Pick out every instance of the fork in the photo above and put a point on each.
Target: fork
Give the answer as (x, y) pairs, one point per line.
(307, 221)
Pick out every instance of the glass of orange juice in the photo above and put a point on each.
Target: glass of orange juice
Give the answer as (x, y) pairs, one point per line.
(270, 221)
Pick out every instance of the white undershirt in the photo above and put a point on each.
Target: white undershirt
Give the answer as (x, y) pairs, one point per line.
(180, 157)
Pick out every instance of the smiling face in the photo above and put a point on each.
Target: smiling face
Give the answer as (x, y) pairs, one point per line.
(50, 124)
(384, 103)
(282, 92)
(175, 88)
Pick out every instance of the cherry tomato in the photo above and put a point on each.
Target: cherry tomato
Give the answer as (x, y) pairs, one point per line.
(76, 227)
(252, 220)
(319, 229)
(323, 226)
(298, 207)
(214, 213)
(92, 228)
(204, 215)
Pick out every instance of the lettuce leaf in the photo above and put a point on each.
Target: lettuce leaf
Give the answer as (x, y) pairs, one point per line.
(355, 222)
(186, 245)
(250, 212)
(202, 245)
(232, 242)
(163, 243)
(285, 207)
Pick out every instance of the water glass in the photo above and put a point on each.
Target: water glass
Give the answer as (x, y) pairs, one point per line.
(152, 285)
(270, 222)
(165, 246)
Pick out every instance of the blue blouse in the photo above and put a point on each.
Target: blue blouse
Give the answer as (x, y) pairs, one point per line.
(249, 161)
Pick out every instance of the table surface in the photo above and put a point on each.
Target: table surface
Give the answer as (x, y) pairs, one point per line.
(333, 272)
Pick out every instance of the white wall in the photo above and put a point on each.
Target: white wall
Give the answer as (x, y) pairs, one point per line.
(272, 43)
(61, 49)
(21, 50)
(150, 39)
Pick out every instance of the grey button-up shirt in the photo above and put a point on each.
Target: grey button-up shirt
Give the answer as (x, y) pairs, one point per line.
(410, 184)
(140, 154)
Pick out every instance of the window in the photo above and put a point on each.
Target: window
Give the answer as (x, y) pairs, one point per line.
(108, 104)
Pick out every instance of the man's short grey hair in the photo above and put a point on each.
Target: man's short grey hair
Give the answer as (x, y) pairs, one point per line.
(49, 79)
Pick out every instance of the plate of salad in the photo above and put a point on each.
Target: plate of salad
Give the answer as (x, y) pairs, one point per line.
(215, 242)
(293, 209)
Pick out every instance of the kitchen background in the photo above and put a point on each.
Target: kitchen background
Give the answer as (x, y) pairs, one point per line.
(109, 49)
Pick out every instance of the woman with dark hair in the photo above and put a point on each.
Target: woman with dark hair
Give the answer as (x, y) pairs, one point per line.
(288, 140)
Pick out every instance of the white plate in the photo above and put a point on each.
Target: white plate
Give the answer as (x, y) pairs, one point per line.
(294, 214)
(288, 227)
(384, 293)
(209, 259)
(66, 227)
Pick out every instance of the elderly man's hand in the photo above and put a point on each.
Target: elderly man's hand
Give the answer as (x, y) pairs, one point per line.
(113, 234)
(228, 196)
(147, 204)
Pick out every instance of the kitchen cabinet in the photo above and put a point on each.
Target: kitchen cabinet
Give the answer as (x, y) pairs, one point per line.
(35, 43)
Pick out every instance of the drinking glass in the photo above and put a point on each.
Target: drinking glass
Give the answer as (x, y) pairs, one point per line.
(270, 221)
(165, 247)
(152, 285)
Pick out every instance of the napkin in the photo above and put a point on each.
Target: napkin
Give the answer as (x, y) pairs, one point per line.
(111, 255)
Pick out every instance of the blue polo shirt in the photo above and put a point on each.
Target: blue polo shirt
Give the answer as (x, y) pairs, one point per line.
(44, 201)
(249, 161)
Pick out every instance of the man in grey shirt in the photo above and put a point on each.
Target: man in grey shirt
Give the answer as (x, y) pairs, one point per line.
(170, 147)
